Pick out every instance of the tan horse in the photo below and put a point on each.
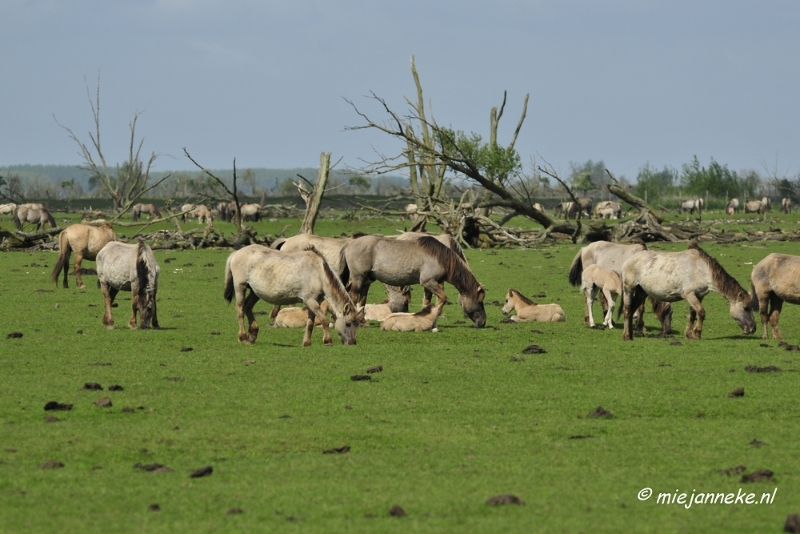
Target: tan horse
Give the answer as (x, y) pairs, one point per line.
(288, 278)
(149, 209)
(612, 256)
(422, 321)
(527, 310)
(689, 275)
(123, 267)
(33, 213)
(8, 209)
(423, 261)
(608, 209)
(767, 203)
(85, 241)
(294, 317)
(732, 207)
(786, 205)
(754, 206)
(594, 279)
(200, 211)
(691, 206)
(397, 300)
(774, 280)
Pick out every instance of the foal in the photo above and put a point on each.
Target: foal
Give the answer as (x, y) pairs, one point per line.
(528, 310)
(595, 278)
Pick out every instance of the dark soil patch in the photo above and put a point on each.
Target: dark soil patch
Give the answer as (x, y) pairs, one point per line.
(215, 333)
(738, 470)
(396, 511)
(756, 443)
(174, 378)
(51, 419)
(758, 476)
(738, 392)
(14, 335)
(52, 464)
(105, 402)
(152, 468)
(581, 436)
(234, 511)
(337, 450)
(94, 386)
(533, 349)
(517, 359)
(154, 507)
(375, 369)
(792, 523)
(202, 472)
(187, 349)
(128, 409)
(115, 387)
(55, 406)
(499, 500)
(357, 378)
(767, 369)
(600, 412)
(101, 364)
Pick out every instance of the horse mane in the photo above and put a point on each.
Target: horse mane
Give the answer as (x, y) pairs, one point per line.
(726, 284)
(356, 235)
(458, 272)
(145, 271)
(50, 218)
(333, 280)
(523, 298)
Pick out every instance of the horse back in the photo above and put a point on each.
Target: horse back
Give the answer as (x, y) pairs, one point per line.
(779, 274)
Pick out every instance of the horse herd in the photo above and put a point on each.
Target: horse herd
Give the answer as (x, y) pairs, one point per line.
(333, 275)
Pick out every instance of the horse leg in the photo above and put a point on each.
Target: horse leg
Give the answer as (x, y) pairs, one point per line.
(249, 303)
(631, 301)
(109, 293)
(694, 331)
(426, 297)
(134, 305)
(274, 313)
(154, 322)
(436, 289)
(591, 294)
(763, 306)
(603, 301)
(776, 303)
(67, 252)
(314, 312)
(76, 267)
(610, 313)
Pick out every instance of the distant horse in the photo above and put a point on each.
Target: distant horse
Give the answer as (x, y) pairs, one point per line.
(422, 321)
(689, 275)
(568, 209)
(612, 256)
(149, 209)
(8, 209)
(123, 267)
(754, 206)
(786, 205)
(608, 209)
(732, 207)
(250, 212)
(773, 282)
(86, 241)
(294, 317)
(200, 211)
(397, 300)
(288, 278)
(767, 203)
(691, 206)
(594, 279)
(33, 213)
(423, 261)
(527, 310)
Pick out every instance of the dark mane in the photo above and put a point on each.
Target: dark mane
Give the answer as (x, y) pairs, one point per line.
(457, 271)
(333, 280)
(726, 284)
(425, 311)
(523, 298)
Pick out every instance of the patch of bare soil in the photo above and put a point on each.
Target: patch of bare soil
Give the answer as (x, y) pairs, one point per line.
(600, 412)
(507, 498)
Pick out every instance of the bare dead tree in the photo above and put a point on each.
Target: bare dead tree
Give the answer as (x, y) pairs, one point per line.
(313, 197)
(128, 180)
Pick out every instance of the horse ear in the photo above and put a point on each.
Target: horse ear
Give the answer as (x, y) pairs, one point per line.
(481, 294)
(347, 309)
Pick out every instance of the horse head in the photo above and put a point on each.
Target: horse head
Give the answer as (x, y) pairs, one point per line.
(473, 307)
(508, 306)
(345, 324)
(742, 312)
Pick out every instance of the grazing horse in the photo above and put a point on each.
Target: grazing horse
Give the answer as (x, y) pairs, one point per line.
(422, 321)
(612, 256)
(123, 267)
(767, 203)
(754, 206)
(527, 310)
(200, 211)
(689, 275)
(594, 279)
(8, 209)
(288, 278)
(86, 241)
(149, 209)
(691, 206)
(397, 300)
(732, 207)
(33, 213)
(775, 280)
(786, 205)
(294, 317)
(423, 261)
(608, 209)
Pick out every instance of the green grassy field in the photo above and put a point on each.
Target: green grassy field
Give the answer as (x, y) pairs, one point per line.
(454, 418)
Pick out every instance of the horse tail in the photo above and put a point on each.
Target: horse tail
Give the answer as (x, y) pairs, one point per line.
(229, 290)
(576, 269)
(344, 269)
(146, 272)
(63, 256)
(50, 219)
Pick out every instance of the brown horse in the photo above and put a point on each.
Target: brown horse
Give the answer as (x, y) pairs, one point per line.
(612, 256)
(149, 209)
(445, 239)
(33, 213)
(123, 267)
(527, 310)
(288, 278)
(689, 275)
(422, 321)
(774, 280)
(86, 241)
(423, 261)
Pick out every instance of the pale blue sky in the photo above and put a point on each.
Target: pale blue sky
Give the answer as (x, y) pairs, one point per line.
(628, 82)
